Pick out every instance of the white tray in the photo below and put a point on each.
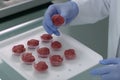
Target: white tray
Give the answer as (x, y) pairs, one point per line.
(86, 58)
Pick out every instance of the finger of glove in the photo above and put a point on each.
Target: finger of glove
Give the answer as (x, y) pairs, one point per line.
(101, 71)
(57, 33)
(64, 15)
(48, 15)
(110, 76)
(48, 30)
(49, 23)
(51, 10)
(107, 77)
(110, 61)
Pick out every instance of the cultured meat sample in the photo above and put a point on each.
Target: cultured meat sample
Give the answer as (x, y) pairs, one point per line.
(57, 20)
(18, 49)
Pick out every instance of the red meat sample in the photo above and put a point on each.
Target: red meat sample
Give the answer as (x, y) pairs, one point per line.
(43, 52)
(18, 49)
(33, 43)
(41, 66)
(56, 60)
(28, 58)
(56, 45)
(70, 54)
(57, 20)
(46, 37)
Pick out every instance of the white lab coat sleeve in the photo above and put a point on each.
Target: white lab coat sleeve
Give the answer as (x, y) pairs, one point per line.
(91, 11)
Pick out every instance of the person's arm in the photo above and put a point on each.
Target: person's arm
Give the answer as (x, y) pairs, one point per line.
(91, 11)
(76, 12)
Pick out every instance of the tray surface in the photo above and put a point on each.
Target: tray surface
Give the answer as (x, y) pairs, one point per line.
(86, 58)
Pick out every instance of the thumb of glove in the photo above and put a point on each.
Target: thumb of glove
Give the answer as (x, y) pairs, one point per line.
(110, 61)
(70, 13)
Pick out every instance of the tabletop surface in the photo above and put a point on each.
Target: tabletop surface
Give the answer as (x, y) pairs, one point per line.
(6, 72)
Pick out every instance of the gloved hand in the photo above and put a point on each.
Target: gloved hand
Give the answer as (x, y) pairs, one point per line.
(109, 72)
(67, 10)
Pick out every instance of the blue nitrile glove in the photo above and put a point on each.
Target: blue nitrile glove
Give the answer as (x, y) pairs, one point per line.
(109, 72)
(67, 10)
